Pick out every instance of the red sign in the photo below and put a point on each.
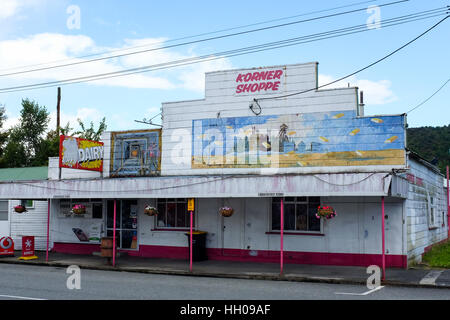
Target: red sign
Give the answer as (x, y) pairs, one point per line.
(27, 246)
(77, 153)
(6, 246)
(259, 81)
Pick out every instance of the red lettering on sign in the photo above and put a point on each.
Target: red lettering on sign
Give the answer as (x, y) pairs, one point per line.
(258, 81)
(278, 74)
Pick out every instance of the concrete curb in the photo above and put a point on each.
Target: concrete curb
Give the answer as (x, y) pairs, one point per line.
(252, 276)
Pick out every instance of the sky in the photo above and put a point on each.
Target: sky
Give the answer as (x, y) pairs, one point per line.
(43, 33)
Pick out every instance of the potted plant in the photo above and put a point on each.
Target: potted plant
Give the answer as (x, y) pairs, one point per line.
(79, 209)
(20, 208)
(326, 212)
(226, 211)
(150, 211)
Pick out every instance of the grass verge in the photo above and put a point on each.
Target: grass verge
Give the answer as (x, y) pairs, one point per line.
(438, 256)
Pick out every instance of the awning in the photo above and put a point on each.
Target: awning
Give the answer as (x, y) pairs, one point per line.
(337, 184)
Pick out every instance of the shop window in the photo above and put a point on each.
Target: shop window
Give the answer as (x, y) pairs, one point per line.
(172, 213)
(27, 203)
(299, 214)
(4, 210)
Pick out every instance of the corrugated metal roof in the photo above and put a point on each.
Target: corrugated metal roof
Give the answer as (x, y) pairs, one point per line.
(29, 173)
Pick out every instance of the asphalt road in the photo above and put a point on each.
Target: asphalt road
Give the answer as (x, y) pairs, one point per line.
(19, 282)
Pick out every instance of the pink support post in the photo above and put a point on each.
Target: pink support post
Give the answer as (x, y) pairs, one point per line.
(114, 235)
(383, 257)
(448, 205)
(281, 235)
(48, 229)
(190, 243)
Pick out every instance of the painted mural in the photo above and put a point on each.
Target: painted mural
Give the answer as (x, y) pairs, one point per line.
(135, 153)
(298, 140)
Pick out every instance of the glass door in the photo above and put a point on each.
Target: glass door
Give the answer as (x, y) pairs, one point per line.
(126, 223)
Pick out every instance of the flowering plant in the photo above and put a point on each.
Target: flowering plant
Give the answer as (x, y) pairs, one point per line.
(20, 208)
(79, 209)
(150, 211)
(226, 211)
(325, 212)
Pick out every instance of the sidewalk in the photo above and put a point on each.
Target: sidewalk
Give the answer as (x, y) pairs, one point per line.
(416, 277)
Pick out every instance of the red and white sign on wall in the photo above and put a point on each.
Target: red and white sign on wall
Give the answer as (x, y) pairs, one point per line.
(6, 246)
(28, 248)
(260, 82)
(77, 153)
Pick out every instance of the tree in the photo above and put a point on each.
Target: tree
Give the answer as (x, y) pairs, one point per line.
(25, 145)
(90, 133)
(3, 135)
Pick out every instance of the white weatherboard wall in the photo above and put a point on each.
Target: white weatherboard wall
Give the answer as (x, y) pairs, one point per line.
(419, 233)
(356, 229)
(31, 223)
(222, 101)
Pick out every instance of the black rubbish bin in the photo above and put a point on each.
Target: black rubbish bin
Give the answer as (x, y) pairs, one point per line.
(198, 245)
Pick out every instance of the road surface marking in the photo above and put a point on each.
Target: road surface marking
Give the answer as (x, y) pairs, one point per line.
(361, 294)
(430, 278)
(18, 297)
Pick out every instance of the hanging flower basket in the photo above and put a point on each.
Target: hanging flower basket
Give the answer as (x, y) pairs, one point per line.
(325, 212)
(20, 208)
(79, 209)
(226, 211)
(150, 211)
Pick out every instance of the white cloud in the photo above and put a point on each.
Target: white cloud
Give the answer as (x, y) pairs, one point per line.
(8, 8)
(86, 115)
(375, 92)
(45, 47)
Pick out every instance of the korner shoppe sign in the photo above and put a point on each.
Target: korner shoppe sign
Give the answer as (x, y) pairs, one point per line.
(81, 154)
(261, 81)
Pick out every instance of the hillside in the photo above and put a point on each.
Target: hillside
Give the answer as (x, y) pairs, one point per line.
(432, 143)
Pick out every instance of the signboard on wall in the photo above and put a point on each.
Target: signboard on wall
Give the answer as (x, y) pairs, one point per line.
(77, 153)
(6, 246)
(322, 139)
(260, 81)
(135, 153)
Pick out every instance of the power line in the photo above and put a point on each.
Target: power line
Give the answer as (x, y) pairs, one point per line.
(191, 36)
(196, 41)
(423, 102)
(230, 53)
(360, 70)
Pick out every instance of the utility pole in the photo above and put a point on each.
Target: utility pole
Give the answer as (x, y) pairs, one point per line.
(58, 111)
(58, 114)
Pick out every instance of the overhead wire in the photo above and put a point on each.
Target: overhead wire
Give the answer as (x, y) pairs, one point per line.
(359, 70)
(427, 99)
(191, 36)
(198, 41)
(235, 52)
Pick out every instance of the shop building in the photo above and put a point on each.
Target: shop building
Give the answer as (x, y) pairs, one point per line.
(280, 156)
(32, 222)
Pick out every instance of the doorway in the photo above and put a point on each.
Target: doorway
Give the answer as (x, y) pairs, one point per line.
(126, 223)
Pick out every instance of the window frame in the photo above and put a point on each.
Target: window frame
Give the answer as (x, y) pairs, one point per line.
(23, 203)
(432, 209)
(7, 211)
(175, 201)
(294, 231)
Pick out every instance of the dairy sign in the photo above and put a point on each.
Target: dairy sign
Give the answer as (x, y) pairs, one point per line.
(259, 81)
(77, 153)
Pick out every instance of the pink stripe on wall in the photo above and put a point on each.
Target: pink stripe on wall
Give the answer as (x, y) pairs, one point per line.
(294, 257)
